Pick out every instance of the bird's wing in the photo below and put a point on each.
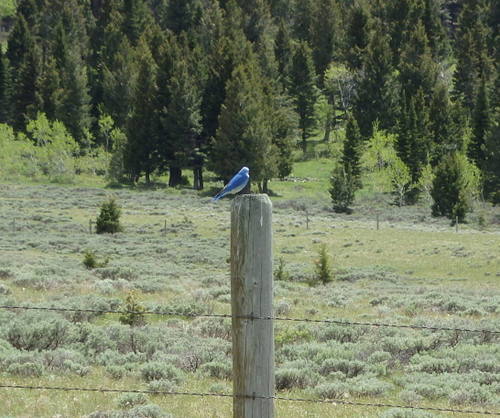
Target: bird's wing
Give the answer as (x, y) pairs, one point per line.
(236, 183)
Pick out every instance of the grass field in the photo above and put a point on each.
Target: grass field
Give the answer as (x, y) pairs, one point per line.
(414, 270)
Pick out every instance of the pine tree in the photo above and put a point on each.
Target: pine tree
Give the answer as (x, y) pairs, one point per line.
(435, 30)
(376, 97)
(25, 88)
(5, 89)
(352, 151)
(50, 91)
(357, 35)
(303, 89)
(244, 135)
(74, 110)
(303, 19)
(450, 189)
(183, 15)
(283, 50)
(20, 43)
(119, 77)
(325, 35)
(108, 221)
(446, 124)
(491, 170)
(284, 127)
(182, 119)
(342, 189)
(228, 49)
(137, 17)
(414, 142)
(473, 59)
(140, 153)
(481, 123)
(417, 68)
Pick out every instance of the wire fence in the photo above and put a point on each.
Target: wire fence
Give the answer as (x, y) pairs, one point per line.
(229, 395)
(266, 318)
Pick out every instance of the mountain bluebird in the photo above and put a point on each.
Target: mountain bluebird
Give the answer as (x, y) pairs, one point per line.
(236, 184)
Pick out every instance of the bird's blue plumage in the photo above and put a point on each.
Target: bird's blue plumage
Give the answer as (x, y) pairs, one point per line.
(235, 185)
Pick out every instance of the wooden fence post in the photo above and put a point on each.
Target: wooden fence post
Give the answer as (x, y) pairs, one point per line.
(252, 297)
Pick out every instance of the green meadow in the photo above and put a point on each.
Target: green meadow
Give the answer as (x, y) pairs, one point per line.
(173, 256)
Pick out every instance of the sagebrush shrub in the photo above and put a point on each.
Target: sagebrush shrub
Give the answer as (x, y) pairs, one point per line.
(157, 371)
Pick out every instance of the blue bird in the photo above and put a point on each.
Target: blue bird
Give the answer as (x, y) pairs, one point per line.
(236, 184)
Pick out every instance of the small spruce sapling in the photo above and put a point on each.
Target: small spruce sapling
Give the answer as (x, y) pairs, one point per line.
(108, 220)
(133, 314)
(323, 271)
(280, 273)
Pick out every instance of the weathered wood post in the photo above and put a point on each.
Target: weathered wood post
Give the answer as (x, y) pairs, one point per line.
(90, 226)
(377, 222)
(252, 298)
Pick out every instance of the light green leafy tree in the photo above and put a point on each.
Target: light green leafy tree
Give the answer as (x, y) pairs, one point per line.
(56, 148)
(17, 156)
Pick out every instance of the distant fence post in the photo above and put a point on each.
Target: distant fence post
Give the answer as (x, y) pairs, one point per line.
(377, 222)
(90, 226)
(252, 297)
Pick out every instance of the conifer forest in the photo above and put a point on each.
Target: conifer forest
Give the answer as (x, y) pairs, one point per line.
(372, 125)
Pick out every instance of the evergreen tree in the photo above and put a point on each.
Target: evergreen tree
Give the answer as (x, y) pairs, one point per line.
(446, 124)
(137, 17)
(108, 221)
(50, 91)
(471, 50)
(24, 98)
(183, 15)
(376, 97)
(119, 78)
(342, 189)
(182, 120)
(244, 135)
(491, 170)
(303, 19)
(414, 144)
(283, 50)
(325, 35)
(140, 156)
(481, 122)
(435, 30)
(417, 68)
(303, 89)
(5, 89)
(450, 189)
(352, 151)
(401, 19)
(20, 43)
(284, 127)
(357, 35)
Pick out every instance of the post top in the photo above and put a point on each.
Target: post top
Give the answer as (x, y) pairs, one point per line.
(248, 198)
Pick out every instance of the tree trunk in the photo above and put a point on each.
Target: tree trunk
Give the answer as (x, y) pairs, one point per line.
(328, 128)
(175, 176)
(304, 141)
(264, 186)
(148, 178)
(198, 178)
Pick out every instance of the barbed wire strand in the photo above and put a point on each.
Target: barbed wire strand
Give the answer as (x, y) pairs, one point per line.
(266, 318)
(228, 395)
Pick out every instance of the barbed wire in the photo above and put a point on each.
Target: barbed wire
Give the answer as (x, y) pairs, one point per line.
(253, 397)
(251, 317)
